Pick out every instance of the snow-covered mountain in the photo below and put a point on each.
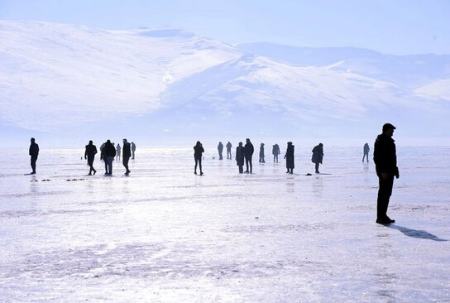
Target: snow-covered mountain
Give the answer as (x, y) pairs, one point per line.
(66, 79)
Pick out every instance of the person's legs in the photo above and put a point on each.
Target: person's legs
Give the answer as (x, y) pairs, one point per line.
(251, 164)
(200, 165)
(246, 164)
(241, 169)
(384, 194)
(195, 167)
(317, 167)
(33, 164)
(125, 161)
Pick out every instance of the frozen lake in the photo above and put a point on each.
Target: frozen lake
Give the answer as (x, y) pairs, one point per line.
(166, 235)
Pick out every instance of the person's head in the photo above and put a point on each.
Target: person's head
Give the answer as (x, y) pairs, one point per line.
(108, 141)
(198, 143)
(124, 141)
(388, 129)
(90, 142)
(247, 140)
(262, 144)
(240, 143)
(320, 144)
(32, 140)
(289, 143)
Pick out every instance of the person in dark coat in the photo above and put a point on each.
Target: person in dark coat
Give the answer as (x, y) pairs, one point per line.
(248, 154)
(240, 157)
(261, 154)
(229, 150)
(126, 155)
(220, 150)
(275, 152)
(34, 153)
(385, 158)
(289, 156)
(317, 156)
(108, 154)
(198, 154)
(89, 154)
(133, 149)
(366, 150)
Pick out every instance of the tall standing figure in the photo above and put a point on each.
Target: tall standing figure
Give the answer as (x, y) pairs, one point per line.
(248, 153)
(89, 154)
(198, 154)
(108, 154)
(317, 156)
(385, 158)
(275, 152)
(126, 155)
(240, 157)
(366, 150)
(133, 150)
(34, 153)
(289, 156)
(229, 150)
(261, 153)
(220, 150)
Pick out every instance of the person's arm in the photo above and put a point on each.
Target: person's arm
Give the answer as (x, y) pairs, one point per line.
(85, 153)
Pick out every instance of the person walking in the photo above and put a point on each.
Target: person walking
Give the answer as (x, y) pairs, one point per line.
(133, 150)
(385, 158)
(248, 154)
(33, 152)
(317, 156)
(366, 150)
(261, 153)
(289, 156)
(89, 154)
(126, 155)
(220, 150)
(275, 152)
(240, 157)
(229, 150)
(198, 154)
(109, 152)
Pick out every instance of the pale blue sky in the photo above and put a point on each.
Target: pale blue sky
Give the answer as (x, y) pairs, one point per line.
(391, 26)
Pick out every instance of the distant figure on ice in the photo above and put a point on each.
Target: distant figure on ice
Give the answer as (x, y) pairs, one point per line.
(220, 149)
(108, 154)
(126, 155)
(102, 154)
(118, 149)
(229, 150)
(261, 153)
(34, 153)
(317, 156)
(248, 153)
(289, 156)
(89, 154)
(198, 154)
(385, 159)
(366, 150)
(133, 150)
(240, 157)
(275, 152)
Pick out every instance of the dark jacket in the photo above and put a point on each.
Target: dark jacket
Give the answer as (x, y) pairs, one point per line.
(198, 151)
(34, 150)
(248, 150)
(261, 151)
(384, 155)
(317, 156)
(229, 146)
(290, 156)
(126, 150)
(239, 156)
(275, 150)
(108, 150)
(90, 151)
(220, 147)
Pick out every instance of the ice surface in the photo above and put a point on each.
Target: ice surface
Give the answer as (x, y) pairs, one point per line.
(166, 235)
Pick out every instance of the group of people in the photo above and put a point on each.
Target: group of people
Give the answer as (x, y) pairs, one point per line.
(107, 153)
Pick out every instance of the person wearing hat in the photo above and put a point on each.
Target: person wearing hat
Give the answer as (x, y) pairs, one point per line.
(385, 159)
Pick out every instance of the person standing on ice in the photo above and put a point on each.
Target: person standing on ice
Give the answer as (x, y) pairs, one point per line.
(261, 153)
(275, 152)
(133, 150)
(317, 156)
(248, 154)
(118, 150)
(220, 150)
(289, 156)
(108, 154)
(229, 150)
(240, 158)
(198, 154)
(366, 150)
(33, 151)
(89, 154)
(126, 155)
(385, 158)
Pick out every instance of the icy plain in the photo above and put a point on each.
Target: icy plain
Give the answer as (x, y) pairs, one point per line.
(165, 235)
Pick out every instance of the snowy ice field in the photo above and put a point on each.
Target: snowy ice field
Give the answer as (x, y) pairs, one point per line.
(166, 235)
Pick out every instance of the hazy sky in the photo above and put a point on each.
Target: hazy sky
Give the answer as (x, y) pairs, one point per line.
(392, 26)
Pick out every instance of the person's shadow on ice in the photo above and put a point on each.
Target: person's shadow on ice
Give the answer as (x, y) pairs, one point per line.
(414, 233)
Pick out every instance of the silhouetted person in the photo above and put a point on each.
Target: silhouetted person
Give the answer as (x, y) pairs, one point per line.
(289, 156)
(240, 157)
(385, 159)
(102, 154)
(229, 150)
(275, 152)
(118, 150)
(220, 150)
(317, 156)
(126, 155)
(34, 153)
(366, 150)
(108, 154)
(89, 154)
(198, 154)
(133, 150)
(261, 153)
(248, 154)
